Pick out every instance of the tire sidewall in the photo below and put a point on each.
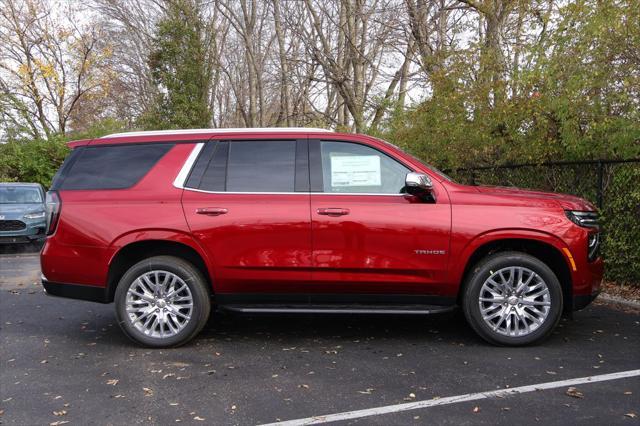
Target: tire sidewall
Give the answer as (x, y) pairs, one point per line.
(192, 278)
(477, 278)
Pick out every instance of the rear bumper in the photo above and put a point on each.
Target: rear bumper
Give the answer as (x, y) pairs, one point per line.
(76, 291)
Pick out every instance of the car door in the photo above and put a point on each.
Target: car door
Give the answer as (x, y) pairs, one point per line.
(247, 203)
(368, 237)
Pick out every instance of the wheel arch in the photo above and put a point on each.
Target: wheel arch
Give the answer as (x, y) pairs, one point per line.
(136, 247)
(545, 248)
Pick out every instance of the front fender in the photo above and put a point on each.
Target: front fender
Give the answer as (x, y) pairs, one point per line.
(462, 259)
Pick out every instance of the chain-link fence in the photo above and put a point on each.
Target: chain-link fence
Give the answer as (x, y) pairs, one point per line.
(613, 185)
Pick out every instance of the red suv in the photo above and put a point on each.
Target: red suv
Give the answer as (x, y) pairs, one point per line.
(166, 224)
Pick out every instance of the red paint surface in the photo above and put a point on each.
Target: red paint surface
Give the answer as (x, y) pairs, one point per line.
(278, 243)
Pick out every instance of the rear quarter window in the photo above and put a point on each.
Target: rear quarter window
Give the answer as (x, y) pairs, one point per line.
(109, 167)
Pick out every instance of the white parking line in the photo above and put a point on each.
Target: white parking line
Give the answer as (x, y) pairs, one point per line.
(501, 393)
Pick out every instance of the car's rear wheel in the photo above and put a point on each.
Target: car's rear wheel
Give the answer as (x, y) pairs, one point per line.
(162, 302)
(512, 299)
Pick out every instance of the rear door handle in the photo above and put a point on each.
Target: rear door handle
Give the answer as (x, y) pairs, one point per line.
(212, 211)
(333, 211)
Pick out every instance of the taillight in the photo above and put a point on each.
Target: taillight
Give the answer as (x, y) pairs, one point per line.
(53, 205)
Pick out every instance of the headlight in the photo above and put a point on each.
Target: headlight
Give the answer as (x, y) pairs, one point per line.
(593, 246)
(38, 215)
(584, 219)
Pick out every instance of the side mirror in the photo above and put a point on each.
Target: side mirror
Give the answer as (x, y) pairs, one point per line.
(420, 185)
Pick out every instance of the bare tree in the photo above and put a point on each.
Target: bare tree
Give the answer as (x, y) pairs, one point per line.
(354, 42)
(50, 65)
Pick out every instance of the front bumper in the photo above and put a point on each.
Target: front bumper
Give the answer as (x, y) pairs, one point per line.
(582, 301)
(32, 232)
(76, 291)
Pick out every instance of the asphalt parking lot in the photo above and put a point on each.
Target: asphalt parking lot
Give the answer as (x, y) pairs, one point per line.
(67, 361)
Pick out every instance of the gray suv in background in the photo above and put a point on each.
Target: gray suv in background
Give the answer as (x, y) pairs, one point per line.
(22, 212)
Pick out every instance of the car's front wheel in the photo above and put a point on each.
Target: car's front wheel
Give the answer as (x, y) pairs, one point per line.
(162, 302)
(512, 299)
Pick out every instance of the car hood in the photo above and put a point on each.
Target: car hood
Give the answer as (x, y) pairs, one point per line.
(21, 208)
(567, 202)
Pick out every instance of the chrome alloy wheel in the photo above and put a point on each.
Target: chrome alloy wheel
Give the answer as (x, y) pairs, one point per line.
(159, 304)
(514, 301)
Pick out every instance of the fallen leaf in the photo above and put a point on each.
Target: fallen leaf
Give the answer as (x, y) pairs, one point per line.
(147, 392)
(574, 393)
(631, 415)
(112, 382)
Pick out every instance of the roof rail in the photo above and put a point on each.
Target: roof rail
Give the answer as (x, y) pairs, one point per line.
(218, 131)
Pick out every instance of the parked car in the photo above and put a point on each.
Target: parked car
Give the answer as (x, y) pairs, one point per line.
(22, 212)
(168, 224)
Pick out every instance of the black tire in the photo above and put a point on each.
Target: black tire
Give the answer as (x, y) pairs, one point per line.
(191, 276)
(486, 268)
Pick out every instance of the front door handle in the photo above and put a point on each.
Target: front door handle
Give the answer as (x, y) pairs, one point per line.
(333, 211)
(212, 211)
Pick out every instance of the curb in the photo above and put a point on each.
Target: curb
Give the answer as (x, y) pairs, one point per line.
(619, 300)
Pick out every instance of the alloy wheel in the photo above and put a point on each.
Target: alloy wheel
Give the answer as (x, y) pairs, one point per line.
(159, 304)
(514, 301)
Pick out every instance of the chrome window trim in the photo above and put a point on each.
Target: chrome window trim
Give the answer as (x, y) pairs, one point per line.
(294, 193)
(180, 180)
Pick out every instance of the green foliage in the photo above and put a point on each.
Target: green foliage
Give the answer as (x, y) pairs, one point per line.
(578, 98)
(621, 247)
(32, 161)
(178, 65)
(25, 160)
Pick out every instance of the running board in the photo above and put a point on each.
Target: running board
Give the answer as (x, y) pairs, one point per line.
(339, 309)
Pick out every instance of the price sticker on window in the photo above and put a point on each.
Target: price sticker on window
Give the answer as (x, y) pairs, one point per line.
(355, 170)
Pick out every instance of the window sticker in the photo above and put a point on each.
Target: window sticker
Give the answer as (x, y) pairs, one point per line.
(355, 170)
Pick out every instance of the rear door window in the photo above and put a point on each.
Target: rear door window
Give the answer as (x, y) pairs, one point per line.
(110, 167)
(247, 166)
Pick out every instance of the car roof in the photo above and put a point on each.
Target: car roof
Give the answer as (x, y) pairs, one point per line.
(217, 131)
(197, 134)
(37, 185)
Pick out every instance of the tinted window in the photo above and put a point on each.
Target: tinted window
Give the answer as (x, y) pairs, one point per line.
(200, 166)
(112, 167)
(215, 177)
(261, 166)
(354, 168)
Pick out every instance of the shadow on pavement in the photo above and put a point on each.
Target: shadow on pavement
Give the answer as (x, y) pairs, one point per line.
(22, 248)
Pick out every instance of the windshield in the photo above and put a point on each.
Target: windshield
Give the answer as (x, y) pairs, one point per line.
(20, 195)
(429, 166)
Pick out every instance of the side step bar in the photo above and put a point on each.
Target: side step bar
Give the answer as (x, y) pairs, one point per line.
(339, 309)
